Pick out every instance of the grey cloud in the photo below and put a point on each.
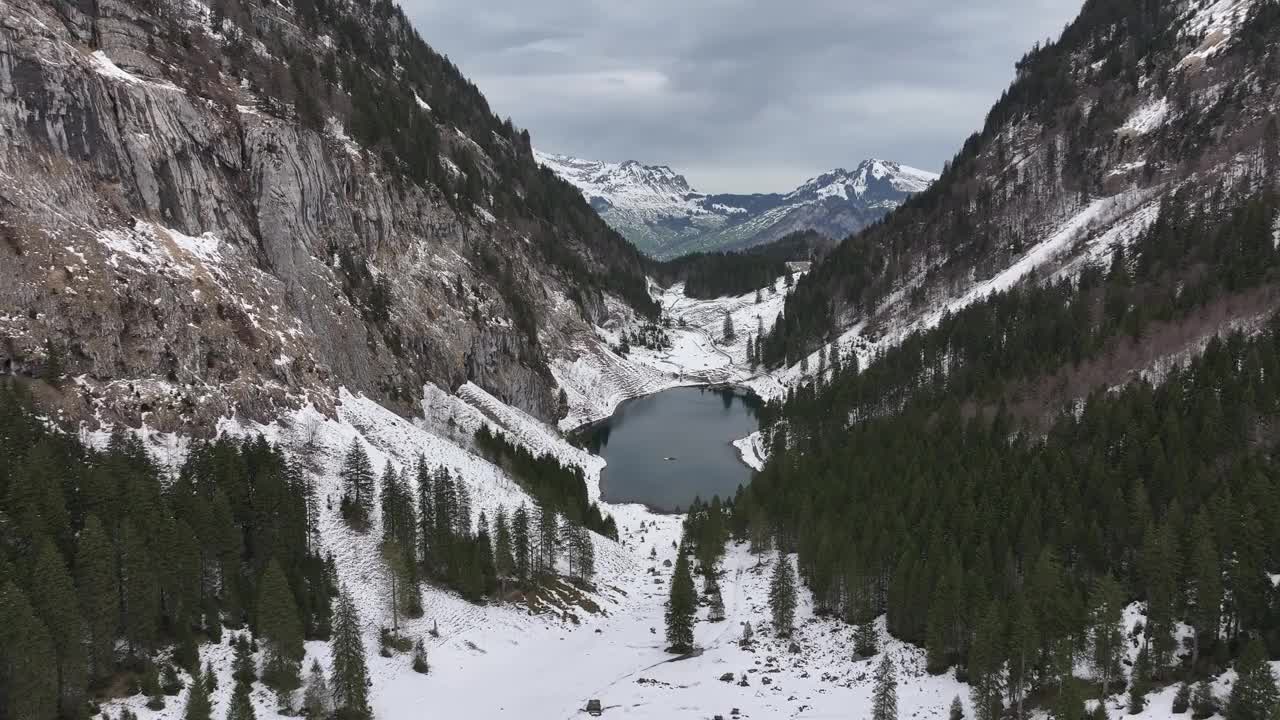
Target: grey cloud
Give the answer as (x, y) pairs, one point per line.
(742, 95)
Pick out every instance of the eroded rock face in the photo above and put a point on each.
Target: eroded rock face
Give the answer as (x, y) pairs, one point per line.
(190, 257)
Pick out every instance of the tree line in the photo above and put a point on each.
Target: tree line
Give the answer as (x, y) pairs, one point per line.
(430, 533)
(551, 482)
(709, 275)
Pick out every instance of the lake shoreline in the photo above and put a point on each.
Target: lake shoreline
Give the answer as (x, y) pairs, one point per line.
(663, 450)
(574, 434)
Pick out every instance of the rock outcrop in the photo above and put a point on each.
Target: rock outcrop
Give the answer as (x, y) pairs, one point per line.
(184, 252)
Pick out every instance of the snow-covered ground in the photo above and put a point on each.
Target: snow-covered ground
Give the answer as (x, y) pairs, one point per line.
(492, 661)
(598, 380)
(501, 661)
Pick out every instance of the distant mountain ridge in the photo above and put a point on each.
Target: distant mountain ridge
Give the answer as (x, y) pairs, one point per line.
(655, 208)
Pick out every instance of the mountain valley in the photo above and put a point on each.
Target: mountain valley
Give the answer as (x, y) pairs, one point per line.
(299, 342)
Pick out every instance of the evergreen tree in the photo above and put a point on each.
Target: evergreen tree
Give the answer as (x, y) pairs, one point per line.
(520, 542)
(1024, 644)
(716, 610)
(99, 596)
(548, 540)
(1105, 633)
(1206, 591)
(58, 608)
(141, 592)
(680, 607)
(884, 698)
(198, 706)
(394, 557)
(209, 679)
(503, 557)
(1139, 683)
(26, 656)
(1182, 699)
(281, 632)
(484, 579)
(865, 642)
(350, 674)
(986, 660)
(427, 551)
(357, 485)
(782, 596)
(1160, 575)
(170, 683)
(394, 502)
(316, 700)
(1204, 703)
(729, 334)
(243, 668)
(241, 706)
(420, 664)
(957, 709)
(1068, 705)
(462, 515)
(1254, 695)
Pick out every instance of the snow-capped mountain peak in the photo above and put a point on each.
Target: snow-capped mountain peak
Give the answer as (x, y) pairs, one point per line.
(878, 183)
(654, 207)
(628, 184)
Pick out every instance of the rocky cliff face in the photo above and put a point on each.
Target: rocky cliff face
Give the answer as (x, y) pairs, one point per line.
(183, 250)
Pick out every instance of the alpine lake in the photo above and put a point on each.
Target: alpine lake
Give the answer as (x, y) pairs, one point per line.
(666, 449)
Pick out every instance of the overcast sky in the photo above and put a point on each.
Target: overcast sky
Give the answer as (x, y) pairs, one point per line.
(742, 95)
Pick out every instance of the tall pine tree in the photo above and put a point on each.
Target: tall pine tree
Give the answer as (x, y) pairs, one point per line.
(357, 485)
(59, 610)
(1254, 695)
(26, 656)
(681, 605)
(99, 596)
(884, 697)
(782, 596)
(281, 633)
(350, 674)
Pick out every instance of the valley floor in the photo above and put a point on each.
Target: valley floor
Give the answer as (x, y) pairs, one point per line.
(503, 661)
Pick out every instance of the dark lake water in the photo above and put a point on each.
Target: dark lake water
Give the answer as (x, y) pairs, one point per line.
(668, 448)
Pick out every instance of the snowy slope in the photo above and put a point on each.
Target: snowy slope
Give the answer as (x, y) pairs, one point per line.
(655, 208)
(598, 379)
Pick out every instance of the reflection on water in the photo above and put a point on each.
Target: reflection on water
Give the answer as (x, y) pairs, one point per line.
(668, 448)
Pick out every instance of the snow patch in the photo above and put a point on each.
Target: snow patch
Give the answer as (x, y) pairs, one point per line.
(1212, 24)
(752, 450)
(1146, 118)
(335, 130)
